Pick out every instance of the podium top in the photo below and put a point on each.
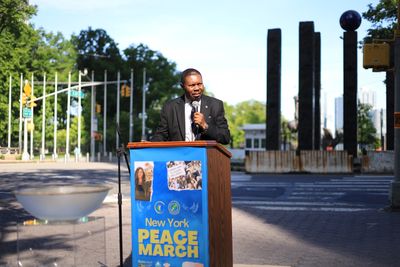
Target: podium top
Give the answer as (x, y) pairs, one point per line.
(200, 143)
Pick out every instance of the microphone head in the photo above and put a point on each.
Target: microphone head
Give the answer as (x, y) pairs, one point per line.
(196, 105)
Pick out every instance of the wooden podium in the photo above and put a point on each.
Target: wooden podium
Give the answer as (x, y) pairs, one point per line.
(216, 194)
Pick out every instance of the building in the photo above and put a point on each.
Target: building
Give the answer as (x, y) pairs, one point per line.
(254, 135)
(338, 113)
(367, 97)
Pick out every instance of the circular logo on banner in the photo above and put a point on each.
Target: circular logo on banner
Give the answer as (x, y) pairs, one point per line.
(174, 207)
(159, 207)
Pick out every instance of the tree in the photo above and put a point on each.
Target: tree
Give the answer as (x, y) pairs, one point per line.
(383, 18)
(163, 79)
(366, 132)
(246, 112)
(26, 51)
(97, 52)
(14, 14)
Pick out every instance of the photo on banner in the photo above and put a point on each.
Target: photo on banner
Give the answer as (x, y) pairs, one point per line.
(184, 175)
(144, 172)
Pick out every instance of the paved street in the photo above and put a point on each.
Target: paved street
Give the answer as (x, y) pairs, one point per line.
(283, 220)
(315, 220)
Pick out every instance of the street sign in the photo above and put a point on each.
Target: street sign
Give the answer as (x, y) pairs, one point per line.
(75, 93)
(27, 113)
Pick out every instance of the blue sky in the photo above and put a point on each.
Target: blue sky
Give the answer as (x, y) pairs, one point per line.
(225, 39)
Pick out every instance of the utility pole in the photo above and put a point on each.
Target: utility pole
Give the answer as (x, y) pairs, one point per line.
(144, 106)
(118, 104)
(131, 110)
(395, 186)
(92, 117)
(68, 118)
(20, 116)
(55, 119)
(9, 112)
(42, 152)
(105, 115)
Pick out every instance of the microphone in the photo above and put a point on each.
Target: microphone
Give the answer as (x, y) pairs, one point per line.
(196, 105)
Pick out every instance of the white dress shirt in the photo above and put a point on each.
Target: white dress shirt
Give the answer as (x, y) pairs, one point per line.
(189, 135)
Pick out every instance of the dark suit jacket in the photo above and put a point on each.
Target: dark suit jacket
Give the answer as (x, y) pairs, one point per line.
(172, 121)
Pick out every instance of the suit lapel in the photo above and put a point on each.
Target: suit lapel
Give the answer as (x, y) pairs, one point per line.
(205, 107)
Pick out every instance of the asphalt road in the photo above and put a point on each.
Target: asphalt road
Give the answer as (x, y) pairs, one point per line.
(283, 220)
(316, 220)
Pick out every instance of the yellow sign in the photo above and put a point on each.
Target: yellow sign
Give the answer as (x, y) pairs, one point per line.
(397, 120)
(27, 88)
(30, 126)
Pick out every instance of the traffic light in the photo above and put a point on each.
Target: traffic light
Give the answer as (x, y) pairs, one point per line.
(33, 104)
(123, 90)
(98, 108)
(23, 99)
(127, 91)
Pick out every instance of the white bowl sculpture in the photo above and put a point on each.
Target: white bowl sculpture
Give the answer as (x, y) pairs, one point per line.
(64, 202)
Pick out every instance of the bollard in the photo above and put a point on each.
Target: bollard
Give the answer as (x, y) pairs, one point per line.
(87, 157)
(98, 156)
(110, 156)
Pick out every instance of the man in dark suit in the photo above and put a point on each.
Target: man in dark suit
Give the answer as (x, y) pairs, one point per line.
(193, 116)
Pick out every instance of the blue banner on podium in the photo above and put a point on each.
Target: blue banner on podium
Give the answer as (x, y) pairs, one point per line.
(169, 207)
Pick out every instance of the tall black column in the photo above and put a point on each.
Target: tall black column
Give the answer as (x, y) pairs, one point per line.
(317, 89)
(273, 89)
(350, 92)
(389, 110)
(306, 86)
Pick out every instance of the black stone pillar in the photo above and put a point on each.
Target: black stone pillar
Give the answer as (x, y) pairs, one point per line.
(306, 86)
(273, 89)
(350, 92)
(389, 110)
(317, 88)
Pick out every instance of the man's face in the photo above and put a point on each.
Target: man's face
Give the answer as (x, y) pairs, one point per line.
(193, 86)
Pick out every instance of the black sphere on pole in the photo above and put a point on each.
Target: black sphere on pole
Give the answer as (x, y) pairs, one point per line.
(350, 20)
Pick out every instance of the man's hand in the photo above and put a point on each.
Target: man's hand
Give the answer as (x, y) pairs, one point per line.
(199, 119)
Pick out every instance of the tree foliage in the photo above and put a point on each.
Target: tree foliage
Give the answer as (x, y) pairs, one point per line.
(13, 16)
(25, 53)
(366, 132)
(99, 52)
(246, 112)
(383, 18)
